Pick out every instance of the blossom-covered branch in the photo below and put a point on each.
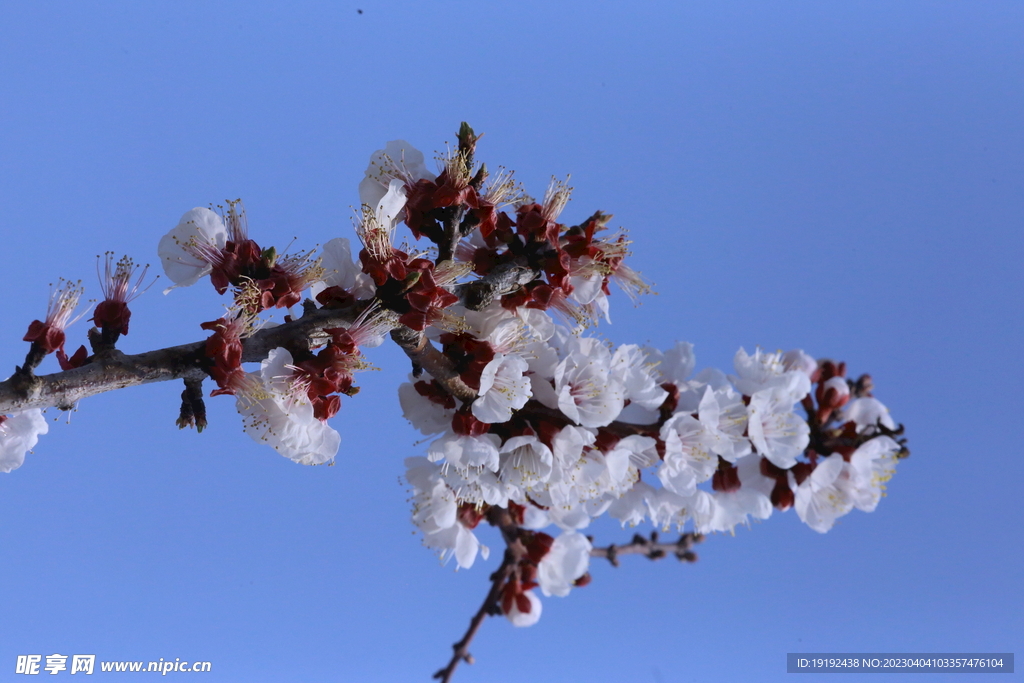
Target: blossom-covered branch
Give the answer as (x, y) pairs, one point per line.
(111, 369)
(534, 425)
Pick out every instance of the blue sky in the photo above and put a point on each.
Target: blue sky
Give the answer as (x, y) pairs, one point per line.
(844, 178)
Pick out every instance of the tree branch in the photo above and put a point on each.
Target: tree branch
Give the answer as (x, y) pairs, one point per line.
(461, 649)
(514, 551)
(651, 548)
(423, 355)
(502, 280)
(112, 369)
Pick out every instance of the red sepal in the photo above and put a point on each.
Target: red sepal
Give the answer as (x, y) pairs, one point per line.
(45, 335)
(112, 315)
(76, 361)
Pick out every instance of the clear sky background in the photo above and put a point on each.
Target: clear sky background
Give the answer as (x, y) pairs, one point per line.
(844, 178)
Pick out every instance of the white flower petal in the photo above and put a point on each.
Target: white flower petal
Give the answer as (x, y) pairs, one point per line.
(198, 227)
(566, 560)
(19, 433)
(526, 618)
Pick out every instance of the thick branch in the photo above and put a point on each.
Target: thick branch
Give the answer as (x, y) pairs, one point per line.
(502, 280)
(112, 369)
(423, 355)
(452, 219)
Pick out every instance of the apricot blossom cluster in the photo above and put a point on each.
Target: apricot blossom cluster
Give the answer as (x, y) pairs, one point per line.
(535, 426)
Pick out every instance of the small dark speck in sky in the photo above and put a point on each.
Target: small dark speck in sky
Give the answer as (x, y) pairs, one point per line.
(360, 11)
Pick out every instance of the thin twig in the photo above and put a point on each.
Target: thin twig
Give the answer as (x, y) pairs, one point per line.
(651, 548)
(461, 649)
(514, 552)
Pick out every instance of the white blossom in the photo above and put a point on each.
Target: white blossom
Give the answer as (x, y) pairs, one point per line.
(543, 360)
(19, 433)
(434, 505)
(464, 451)
(665, 508)
(835, 487)
(688, 458)
(377, 227)
(839, 385)
(425, 415)
(569, 516)
(642, 451)
(586, 283)
(538, 323)
(753, 498)
(725, 419)
(529, 618)
(775, 430)
(700, 507)
(435, 512)
(190, 249)
(818, 500)
(456, 541)
(867, 413)
(341, 271)
(631, 507)
(869, 468)
(476, 485)
(798, 360)
(525, 462)
(503, 388)
(765, 371)
(587, 392)
(568, 444)
(397, 161)
(675, 365)
(534, 518)
(631, 367)
(566, 560)
(278, 414)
